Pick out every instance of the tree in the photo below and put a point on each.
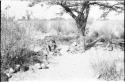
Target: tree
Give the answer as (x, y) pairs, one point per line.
(82, 8)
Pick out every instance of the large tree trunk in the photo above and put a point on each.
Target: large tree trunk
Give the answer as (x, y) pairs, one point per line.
(82, 35)
(81, 21)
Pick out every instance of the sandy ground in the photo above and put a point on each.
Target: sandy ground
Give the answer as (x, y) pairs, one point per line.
(68, 67)
(65, 68)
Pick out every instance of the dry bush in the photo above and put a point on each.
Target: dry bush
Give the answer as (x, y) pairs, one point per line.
(111, 30)
(42, 25)
(65, 39)
(12, 35)
(108, 65)
(22, 57)
(15, 42)
(53, 26)
(4, 77)
(36, 25)
(33, 26)
(109, 70)
(12, 38)
(63, 26)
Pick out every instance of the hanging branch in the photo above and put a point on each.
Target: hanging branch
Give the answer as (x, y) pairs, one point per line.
(67, 8)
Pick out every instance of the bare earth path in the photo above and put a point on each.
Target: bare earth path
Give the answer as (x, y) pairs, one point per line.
(65, 68)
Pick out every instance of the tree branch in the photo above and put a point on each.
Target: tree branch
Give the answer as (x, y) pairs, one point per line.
(89, 45)
(76, 10)
(113, 7)
(84, 4)
(118, 7)
(68, 9)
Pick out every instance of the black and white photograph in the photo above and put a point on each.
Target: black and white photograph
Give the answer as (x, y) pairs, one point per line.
(62, 41)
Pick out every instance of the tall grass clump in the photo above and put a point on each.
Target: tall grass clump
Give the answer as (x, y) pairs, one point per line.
(108, 66)
(109, 71)
(12, 39)
(15, 52)
(111, 30)
(11, 35)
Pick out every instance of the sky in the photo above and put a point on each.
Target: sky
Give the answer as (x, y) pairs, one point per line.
(95, 12)
(20, 9)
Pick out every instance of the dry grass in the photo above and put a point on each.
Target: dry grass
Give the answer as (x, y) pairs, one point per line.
(14, 47)
(12, 36)
(109, 70)
(108, 65)
(111, 30)
(16, 38)
(57, 26)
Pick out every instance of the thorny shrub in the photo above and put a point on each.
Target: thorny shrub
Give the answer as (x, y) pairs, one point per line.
(109, 70)
(14, 48)
(11, 38)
